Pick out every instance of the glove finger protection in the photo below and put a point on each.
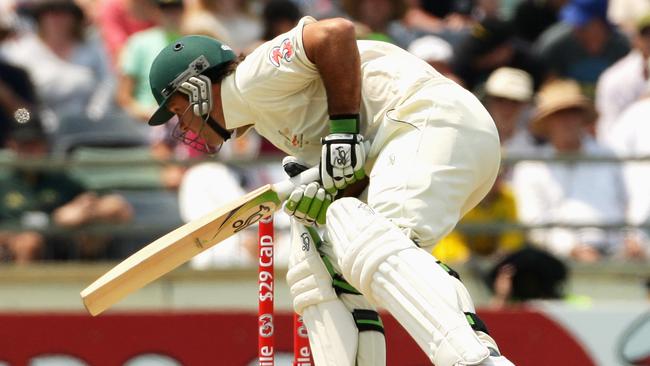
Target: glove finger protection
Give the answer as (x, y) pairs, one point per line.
(308, 204)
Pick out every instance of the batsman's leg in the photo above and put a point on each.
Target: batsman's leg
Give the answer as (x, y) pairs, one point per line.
(386, 266)
(371, 342)
(481, 330)
(343, 328)
(423, 180)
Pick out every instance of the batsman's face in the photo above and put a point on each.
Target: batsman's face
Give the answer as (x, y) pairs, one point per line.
(192, 129)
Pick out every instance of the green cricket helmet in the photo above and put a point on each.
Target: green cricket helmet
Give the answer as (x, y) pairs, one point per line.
(182, 59)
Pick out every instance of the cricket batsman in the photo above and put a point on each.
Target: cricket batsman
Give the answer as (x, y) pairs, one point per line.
(319, 95)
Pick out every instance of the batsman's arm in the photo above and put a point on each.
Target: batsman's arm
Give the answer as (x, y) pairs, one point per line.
(331, 45)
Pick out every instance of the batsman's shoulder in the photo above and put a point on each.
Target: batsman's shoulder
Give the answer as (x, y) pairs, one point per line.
(327, 27)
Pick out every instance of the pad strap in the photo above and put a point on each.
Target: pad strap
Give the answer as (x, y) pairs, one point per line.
(368, 320)
(341, 286)
(449, 270)
(476, 323)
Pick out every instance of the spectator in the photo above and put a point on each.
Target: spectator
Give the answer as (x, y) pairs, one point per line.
(532, 17)
(7, 18)
(490, 45)
(198, 196)
(70, 72)
(625, 13)
(508, 93)
(201, 18)
(569, 193)
(119, 19)
(32, 200)
(436, 52)
(137, 55)
(279, 16)
(134, 94)
(17, 97)
(380, 20)
(498, 206)
(528, 274)
(583, 44)
(489, 9)
(17, 94)
(623, 82)
(630, 139)
(445, 18)
(443, 9)
(320, 9)
(243, 25)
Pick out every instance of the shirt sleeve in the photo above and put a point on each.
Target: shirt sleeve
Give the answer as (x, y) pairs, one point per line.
(278, 67)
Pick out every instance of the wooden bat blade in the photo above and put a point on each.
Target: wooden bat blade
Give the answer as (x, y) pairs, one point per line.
(178, 247)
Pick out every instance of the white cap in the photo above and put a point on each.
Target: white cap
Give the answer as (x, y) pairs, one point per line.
(510, 83)
(431, 49)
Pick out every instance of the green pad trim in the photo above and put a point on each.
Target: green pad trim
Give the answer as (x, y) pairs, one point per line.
(476, 323)
(449, 270)
(368, 320)
(338, 282)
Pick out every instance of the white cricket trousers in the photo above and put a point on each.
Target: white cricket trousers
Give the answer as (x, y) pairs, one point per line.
(440, 161)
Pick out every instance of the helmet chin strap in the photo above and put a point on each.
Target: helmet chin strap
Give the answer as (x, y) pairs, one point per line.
(216, 127)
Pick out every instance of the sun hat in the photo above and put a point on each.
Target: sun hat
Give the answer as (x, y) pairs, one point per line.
(559, 95)
(510, 83)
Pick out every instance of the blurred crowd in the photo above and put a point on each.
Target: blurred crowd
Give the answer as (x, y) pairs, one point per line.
(561, 78)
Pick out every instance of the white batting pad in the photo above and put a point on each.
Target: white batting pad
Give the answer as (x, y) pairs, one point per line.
(333, 335)
(372, 349)
(386, 266)
(372, 344)
(309, 281)
(497, 361)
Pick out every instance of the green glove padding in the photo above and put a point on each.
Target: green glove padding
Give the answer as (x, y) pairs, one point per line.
(308, 204)
(343, 155)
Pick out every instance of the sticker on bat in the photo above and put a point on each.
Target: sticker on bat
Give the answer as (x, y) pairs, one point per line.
(262, 212)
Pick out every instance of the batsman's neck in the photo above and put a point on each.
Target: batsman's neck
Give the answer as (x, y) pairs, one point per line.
(217, 105)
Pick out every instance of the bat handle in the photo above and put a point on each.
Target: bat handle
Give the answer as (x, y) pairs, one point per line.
(284, 188)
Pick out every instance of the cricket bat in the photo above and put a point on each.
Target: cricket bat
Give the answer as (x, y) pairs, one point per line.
(180, 245)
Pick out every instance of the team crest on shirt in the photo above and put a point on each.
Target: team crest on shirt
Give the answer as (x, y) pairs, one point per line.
(292, 139)
(284, 52)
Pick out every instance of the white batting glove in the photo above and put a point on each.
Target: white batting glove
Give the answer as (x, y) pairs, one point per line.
(308, 204)
(343, 154)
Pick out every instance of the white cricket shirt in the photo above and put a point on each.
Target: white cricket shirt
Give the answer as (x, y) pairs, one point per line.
(279, 91)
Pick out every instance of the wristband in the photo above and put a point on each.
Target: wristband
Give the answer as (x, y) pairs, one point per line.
(344, 123)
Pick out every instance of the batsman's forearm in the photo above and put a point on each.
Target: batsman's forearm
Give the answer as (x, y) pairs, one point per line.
(331, 44)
